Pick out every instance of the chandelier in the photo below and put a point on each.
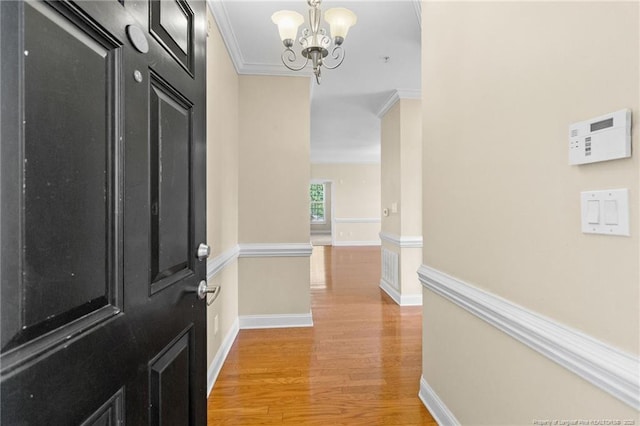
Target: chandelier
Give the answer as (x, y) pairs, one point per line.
(314, 41)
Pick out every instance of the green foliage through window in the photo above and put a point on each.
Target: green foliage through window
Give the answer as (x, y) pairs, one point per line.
(316, 199)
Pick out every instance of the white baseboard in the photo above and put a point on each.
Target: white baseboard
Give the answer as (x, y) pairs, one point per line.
(356, 243)
(390, 290)
(411, 300)
(221, 356)
(436, 407)
(604, 366)
(401, 299)
(276, 321)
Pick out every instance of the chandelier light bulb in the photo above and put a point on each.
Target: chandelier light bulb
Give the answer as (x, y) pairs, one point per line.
(288, 22)
(340, 20)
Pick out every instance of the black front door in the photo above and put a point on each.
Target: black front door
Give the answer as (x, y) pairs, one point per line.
(103, 209)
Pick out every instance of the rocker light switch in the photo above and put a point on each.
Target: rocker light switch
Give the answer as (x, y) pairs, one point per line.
(610, 212)
(605, 212)
(593, 212)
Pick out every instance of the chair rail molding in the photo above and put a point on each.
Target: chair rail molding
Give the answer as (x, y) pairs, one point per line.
(608, 368)
(218, 263)
(402, 241)
(338, 243)
(276, 250)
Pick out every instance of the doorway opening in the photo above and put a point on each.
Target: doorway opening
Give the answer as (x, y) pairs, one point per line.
(321, 213)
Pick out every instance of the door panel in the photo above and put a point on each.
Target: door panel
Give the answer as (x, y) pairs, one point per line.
(68, 170)
(111, 413)
(170, 141)
(170, 391)
(102, 184)
(172, 25)
(176, 22)
(66, 274)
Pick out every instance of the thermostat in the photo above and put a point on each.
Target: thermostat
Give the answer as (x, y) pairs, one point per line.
(603, 138)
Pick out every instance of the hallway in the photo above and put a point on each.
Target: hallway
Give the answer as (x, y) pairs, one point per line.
(359, 365)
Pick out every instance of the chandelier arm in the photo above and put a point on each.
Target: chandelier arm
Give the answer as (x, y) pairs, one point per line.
(288, 55)
(337, 54)
(325, 40)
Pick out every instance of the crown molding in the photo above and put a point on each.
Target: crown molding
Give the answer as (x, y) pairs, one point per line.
(395, 96)
(388, 104)
(272, 70)
(417, 5)
(219, 12)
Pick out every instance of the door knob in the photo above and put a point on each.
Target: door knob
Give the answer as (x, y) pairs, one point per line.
(203, 251)
(203, 290)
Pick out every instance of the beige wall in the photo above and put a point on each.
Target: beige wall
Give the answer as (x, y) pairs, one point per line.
(356, 190)
(410, 207)
(222, 182)
(390, 169)
(274, 286)
(274, 191)
(401, 147)
(501, 83)
(485, 377)
(401, 171)
(274, 152)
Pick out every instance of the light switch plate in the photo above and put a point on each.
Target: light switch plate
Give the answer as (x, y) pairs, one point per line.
(612, 217)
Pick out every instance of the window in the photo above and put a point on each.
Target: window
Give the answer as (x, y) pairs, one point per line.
(316, 203)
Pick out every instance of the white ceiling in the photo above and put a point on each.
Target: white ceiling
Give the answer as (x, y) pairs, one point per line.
(346, 107)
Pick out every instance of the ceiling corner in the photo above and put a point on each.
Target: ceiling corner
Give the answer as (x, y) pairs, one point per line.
(417, 5)
(388, 104)
(219, 13)
(395, 96)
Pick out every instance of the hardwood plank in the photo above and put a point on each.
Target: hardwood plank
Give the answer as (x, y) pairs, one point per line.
(359, 365)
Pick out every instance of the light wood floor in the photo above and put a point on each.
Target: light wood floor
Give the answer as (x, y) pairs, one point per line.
(359, 365)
